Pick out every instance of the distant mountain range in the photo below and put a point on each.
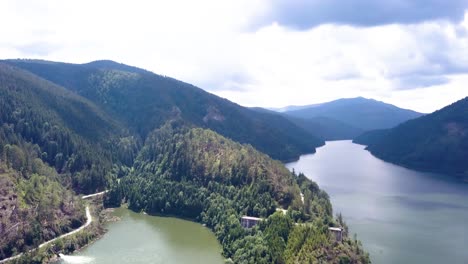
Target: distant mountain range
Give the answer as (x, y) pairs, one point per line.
(347, 118)
(435, 142)
(291, 108)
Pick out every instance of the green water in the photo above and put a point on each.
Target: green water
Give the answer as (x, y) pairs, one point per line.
(140, 238)
(400, 215)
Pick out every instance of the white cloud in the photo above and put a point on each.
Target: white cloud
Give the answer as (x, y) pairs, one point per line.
(206, 43)
(332, 61)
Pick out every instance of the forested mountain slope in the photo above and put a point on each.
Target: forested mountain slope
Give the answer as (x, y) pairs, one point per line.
(370, 137)
(34, 204)
(435, 142)
(196, 173)
(52, 143)
(144, 101)
(116, 121)
(72, 134)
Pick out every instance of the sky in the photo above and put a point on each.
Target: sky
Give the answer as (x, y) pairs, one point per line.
(267, 53)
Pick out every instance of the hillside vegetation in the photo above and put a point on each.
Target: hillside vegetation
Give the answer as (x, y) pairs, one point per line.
(156, 143)
(72, 134)
(198, 174)
(370, 137)
(436, 142)
(52, 143)
(145, 101)
(35, 206)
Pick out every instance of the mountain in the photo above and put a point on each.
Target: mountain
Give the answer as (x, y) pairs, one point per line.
(327, 128)
(160, 145)
(321, 127)
(436, 142)
(144, 101)
(198, 174)
(360, 113)
(369, 137)
(42, 124)
(71, 133)
(53, 143)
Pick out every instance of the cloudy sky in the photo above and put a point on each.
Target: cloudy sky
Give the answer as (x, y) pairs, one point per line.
(269, 53)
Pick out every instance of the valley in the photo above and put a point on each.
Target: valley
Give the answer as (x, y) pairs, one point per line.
(233, 132)
(171, 154)
(160, 146)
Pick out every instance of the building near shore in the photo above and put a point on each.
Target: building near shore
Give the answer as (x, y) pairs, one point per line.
(337, 233)
(250, 221)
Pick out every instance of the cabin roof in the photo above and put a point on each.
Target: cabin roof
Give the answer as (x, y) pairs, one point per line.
(251, 218)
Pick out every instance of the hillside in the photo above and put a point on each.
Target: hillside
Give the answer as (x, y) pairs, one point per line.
(436, 142)
(52, 143)
(327, 128)
(369, 137)
(35, 205)
(144, 101)
(73, 135)
(146, 138)
(198, 174)
(358, 113)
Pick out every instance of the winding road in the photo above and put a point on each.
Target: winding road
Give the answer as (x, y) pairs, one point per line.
(89, 219)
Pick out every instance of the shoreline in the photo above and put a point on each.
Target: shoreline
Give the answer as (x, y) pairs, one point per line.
(107, 218)
(95, 226)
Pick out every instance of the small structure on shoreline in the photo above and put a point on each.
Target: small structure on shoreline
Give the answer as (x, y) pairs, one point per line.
(249, 221)
(337, 232)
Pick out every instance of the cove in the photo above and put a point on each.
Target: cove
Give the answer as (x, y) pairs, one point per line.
(140, 238)
(400, 215)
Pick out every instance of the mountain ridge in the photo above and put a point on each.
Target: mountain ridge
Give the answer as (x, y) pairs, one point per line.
(436, 142)
(144, 101)
(359, 112)
(163, 146)
(347, 118)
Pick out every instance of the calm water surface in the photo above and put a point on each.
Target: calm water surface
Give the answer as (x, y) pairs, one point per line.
(140, 238)
(400, 215)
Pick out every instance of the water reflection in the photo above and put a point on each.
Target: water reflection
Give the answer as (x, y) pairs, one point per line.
(401, 215)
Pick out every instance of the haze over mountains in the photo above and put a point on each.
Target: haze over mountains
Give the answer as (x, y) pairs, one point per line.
(347, 118)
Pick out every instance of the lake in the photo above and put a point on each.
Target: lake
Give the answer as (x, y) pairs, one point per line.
(139, 238)
(400, 215)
